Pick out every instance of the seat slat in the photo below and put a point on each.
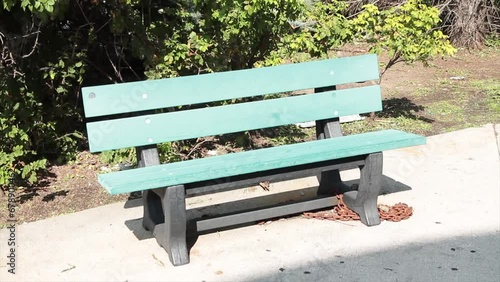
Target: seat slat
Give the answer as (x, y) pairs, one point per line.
(174, 126)
(257, 160)
(188, 90)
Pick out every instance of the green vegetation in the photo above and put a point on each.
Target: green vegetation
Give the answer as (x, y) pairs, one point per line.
(408, 124)
(49, 49)
(460, 104)
(406, 32)
(491, 89)
(446, 111)
(119, 156)
(493, 41)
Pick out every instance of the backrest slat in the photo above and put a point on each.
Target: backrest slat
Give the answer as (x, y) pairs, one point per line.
(173, 126)
(164, 93)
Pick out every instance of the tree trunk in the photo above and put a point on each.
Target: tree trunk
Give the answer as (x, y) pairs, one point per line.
(469, 28)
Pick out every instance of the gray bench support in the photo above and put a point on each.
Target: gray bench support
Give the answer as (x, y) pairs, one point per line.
(330, 182)
(171, 235)
(153, 211)
(165, 212)
(364, 201)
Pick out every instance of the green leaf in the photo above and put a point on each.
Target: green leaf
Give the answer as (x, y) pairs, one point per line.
(60, 90)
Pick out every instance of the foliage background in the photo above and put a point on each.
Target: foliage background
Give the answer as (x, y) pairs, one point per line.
(49, 49)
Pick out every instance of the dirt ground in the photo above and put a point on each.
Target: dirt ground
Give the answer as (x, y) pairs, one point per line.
(450, 94)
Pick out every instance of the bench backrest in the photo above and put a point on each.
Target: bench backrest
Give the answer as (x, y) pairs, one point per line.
(169, 94)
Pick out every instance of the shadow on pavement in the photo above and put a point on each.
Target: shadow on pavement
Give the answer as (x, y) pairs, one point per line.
(389, 185)
(469, 258)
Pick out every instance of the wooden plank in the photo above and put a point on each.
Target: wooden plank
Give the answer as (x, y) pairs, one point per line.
(174, 126)
(257, 160)
(172, 92)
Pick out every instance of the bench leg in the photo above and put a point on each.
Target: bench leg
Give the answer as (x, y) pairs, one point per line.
(171, 235)
(364, 201)
(330, 183)
(153, 211)
(165, 211)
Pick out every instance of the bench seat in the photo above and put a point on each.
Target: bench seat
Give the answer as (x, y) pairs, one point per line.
(257, 160)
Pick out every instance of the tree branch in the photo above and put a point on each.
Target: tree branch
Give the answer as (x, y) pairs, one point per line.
(36, 42)
(117, 72)
(101, 71)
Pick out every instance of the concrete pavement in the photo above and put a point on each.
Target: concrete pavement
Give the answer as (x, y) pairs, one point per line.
(454, 234)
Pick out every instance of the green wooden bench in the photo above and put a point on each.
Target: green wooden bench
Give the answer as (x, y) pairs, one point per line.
(151, 118)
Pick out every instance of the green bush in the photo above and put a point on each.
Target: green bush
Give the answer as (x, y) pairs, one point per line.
(50, 48)
(407, 32)
(15, 154)
(40, 73)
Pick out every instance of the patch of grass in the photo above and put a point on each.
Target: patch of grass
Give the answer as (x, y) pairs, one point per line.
(413, 125)
(459, 104)
(494, 103)
(491, 89)
(458, 72)
(446, 111)
(493, 41)
(472, 103)
(457, 88)
(423, 92)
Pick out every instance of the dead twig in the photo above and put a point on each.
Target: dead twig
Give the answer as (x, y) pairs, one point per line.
(265, 185)
(205, 140)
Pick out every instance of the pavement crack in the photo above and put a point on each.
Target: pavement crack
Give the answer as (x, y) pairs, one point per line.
(497, 140)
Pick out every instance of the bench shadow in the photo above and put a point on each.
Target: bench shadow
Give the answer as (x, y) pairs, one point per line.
(402, 107)
(389, 186)
(52, 196)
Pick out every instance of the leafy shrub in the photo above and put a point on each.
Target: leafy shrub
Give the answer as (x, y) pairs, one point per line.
(408, 32)
(13, 149)
(39, 76)
(50, 48)
(120, 156)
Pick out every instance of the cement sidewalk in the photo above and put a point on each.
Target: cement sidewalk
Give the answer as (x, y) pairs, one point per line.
(454, 234)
